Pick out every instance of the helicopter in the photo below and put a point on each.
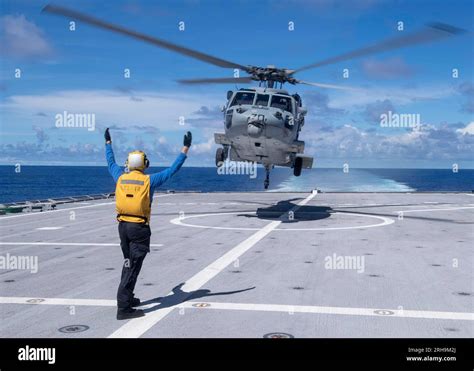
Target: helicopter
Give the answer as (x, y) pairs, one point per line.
(262, 124)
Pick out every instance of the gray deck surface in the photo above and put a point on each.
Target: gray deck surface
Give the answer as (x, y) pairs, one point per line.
(249, 270)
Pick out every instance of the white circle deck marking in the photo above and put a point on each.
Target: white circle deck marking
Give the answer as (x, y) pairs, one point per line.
(384, 221)
(178, 221)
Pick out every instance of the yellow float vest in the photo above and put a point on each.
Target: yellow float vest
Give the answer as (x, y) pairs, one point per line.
(132, 197)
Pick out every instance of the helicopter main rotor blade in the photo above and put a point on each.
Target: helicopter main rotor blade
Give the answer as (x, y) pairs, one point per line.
(222, 80)
(326, 86)
(59, 10)
(433, 32)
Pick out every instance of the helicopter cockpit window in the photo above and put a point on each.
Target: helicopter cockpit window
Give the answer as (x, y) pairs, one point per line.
(243, 98)
(281, 102)
(262, 100)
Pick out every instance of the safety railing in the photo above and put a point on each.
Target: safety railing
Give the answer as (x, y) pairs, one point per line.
(48, 204)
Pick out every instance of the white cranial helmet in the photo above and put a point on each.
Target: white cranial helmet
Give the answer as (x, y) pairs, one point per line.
(137, 161)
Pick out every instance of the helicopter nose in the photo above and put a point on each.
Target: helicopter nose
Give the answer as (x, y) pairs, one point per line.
(256, 119)
(255, 124)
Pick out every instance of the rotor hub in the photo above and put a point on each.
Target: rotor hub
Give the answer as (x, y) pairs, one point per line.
(271, 74)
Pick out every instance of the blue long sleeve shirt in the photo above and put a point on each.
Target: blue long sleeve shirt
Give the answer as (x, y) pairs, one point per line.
(156, 179)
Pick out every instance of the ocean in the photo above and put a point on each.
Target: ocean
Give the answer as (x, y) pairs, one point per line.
(42, 182)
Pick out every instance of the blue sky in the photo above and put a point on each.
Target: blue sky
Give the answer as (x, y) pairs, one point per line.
(81, 71)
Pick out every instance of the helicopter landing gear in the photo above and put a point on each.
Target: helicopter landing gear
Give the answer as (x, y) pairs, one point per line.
(297, 166)
(220, 157)
(266, 183)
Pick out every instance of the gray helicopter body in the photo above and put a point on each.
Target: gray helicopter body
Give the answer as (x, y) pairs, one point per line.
(262, 125)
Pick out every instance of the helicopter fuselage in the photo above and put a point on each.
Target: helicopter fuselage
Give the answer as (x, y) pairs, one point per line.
(262, 125)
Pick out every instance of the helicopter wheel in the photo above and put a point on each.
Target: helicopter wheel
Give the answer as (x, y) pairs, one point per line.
(298, 166)
(266, 183)
(220, 157)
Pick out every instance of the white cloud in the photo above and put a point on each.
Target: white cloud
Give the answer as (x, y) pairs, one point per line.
(207, 147)
(162, 140)
(152, 123)
(440, 142)
(397, 95)
(468, 130)
(22, 38)
(112, 107)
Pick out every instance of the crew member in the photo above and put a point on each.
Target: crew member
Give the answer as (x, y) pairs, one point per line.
(134, 195)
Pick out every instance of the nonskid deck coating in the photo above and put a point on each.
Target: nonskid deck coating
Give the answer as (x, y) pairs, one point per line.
(250, 265)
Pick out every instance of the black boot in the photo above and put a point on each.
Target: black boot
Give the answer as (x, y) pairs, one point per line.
(128, 313)
(136, 302)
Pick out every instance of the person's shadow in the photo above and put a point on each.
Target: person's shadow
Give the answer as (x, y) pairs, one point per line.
(179, 296)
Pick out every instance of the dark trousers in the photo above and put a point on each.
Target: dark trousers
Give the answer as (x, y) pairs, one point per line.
(135, 243)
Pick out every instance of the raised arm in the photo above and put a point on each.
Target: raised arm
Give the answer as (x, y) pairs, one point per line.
(114, 169)
(158, 179)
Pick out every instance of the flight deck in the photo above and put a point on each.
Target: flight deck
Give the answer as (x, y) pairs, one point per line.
(252, 265)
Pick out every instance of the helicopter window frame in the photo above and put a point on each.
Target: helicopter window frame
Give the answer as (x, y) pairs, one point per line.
(292, 109)
(240, 93)
(262, 95)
